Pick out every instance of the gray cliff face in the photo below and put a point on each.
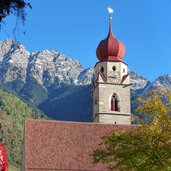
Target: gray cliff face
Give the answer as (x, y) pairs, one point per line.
(162, 82)
(48, 67)
(139, 83)
(51, 67)
(142, 85)
(14, 61)
(5, 47)
(85, 77)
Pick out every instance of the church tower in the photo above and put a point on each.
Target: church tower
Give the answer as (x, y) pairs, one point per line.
(111, 92)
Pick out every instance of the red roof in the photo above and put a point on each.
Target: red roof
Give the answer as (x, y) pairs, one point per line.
(58, 145)
(110, 49)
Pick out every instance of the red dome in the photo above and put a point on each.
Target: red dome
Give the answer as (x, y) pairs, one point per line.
(110, 49)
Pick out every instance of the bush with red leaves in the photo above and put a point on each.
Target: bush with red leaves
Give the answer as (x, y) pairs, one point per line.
(3, 158)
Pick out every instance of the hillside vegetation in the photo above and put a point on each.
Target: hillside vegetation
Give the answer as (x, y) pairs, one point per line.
(13, 112)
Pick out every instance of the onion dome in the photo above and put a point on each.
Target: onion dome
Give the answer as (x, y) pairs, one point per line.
(110, 49)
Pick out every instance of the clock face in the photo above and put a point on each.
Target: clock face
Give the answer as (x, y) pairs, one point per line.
(113, 77)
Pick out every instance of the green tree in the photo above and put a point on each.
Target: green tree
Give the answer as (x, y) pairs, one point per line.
(147, 147)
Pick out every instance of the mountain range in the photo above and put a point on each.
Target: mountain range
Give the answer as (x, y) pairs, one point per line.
(57, 84)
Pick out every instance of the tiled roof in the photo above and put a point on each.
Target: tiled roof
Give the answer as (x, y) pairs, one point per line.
(64, 146)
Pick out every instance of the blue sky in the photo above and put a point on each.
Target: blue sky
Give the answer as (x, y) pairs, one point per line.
(75, 27)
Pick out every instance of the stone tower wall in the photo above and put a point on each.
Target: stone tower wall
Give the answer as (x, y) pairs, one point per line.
(103, 91)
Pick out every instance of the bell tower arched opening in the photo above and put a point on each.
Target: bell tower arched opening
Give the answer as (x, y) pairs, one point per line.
(115, 103)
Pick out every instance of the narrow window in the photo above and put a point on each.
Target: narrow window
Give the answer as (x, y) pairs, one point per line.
(115, 103)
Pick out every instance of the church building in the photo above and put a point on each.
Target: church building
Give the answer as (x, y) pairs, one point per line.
(65, 146)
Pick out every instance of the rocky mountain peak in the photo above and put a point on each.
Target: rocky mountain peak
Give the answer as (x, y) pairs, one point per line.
(14, 60)
(163, 82)
(85, 77)
(139, 83)
(48, 67)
